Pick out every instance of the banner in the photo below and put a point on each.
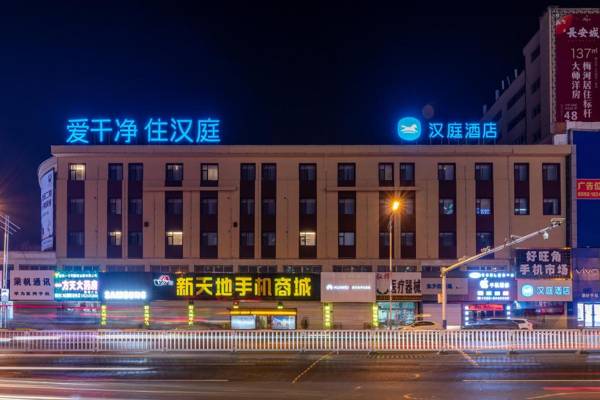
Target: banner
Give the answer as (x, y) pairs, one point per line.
(403, 284)
(588, 189)
(544, 290)
(577, 66)
(31, 285)
(47, 207)
(543, 263)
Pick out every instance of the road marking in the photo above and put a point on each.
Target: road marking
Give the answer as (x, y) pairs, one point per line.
(311, 366)
(55, 368)
(468, 358)
(552, 395)
(19, 385)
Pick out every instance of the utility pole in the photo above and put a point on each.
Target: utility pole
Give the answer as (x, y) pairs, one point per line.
(9, 228)
(554, 223)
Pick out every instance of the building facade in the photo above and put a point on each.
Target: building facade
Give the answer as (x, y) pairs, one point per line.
(322, 210)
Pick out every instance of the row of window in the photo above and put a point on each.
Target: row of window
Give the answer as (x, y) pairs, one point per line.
(307, 172)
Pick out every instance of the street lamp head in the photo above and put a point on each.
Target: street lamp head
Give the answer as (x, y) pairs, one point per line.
(395, 205)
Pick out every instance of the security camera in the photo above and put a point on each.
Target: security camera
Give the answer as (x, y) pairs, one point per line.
(556, 221)
(545, 235)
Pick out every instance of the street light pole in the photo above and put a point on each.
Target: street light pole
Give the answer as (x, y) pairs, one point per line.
(554, 223)
(395, 207)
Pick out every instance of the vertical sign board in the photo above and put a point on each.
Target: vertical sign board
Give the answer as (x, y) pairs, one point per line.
(576, 65)
(47, 210)
(587, 188)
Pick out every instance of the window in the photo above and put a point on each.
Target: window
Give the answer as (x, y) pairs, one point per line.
(352, 268)
(269, 172)
(483, 240)
(209, 238)
(513, 100)
(308, 172)
(268, 239)
(115, 172)
(135, 238)
(407, 239)
(170, 269)
(114, 238)
(446, 206)
(76, 206)
(346, 238)
(483, 172)
(135, 207)
(535, 86)
(483, 206)
(534, 54)
(346, 206)
(346, 174)
(75, 239)
(76, 172)
(214, 269)
(446, 172)
(550, 172)
(302, 269)
(208, 206)
(248, 172)
(257, 269)
(521, 206)
(308, 206)
(447, 239)
(407, 174)
(210, 174)
(268, 207)
(175, 238)
(136, 172)
(114, 206)
(551, 207)
(247, 207)
(521, 172)
(247, 239)
(386, 174)
(174, 172)
(308, 238)
(174, 206)
(384, 239)
(407, 206)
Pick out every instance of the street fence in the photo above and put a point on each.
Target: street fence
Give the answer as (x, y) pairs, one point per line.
(298, 341)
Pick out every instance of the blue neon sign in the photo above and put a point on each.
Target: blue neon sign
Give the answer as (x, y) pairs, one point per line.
(155, 131)
(409, 129)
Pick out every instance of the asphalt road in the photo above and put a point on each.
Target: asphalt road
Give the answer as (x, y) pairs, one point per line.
(289, 376)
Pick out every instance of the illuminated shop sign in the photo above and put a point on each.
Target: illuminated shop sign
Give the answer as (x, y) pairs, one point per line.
(152, 131)
(238, 286)
(588, 189)
(126, 286)
(403, 283)
(410, 129)
(31, 285)
(544, 290)
(76, 286)
(543, 263)
(125, 295)
(491, 286)
(350, 287)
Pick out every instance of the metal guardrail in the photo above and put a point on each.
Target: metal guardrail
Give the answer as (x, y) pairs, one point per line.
(301, 340)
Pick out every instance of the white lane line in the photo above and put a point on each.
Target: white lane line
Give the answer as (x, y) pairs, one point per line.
(552, 395)
(527, 380)
(468, 358)
(67, 368)
(311, 366)
(93, 389)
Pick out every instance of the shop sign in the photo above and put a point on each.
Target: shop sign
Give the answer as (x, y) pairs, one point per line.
(47, 210)
(491, 286)
(454, 286)
(544, 290)
(31, 285)
(586, 277)
(588, 189)
(543, 263)
(126, 286)
(403, 284)
(350, 287)
(236, 286)
(76, 286)
(409, 129)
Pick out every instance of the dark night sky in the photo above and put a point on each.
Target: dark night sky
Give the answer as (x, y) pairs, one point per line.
(293, 73)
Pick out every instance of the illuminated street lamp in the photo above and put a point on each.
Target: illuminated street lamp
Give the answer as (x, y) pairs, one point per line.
(395, 207)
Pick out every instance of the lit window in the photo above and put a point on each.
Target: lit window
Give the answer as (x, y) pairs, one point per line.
(521, 206)
(210, 174)
(346, 238)
(114, 238)
(308, 238)
(483, 206)
(446, 206)
(76, 172)
(175, 238)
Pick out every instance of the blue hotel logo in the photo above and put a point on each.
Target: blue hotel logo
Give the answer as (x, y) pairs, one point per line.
(527, 290)
(409, 129)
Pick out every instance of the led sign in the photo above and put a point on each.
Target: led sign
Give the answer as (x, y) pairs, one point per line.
(545, 290)
(125, 295)
(409, 129)
(491, 286)
(75, 285)
(155, 131)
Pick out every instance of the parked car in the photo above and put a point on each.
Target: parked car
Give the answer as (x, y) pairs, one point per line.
(423, 326)
(521, 322)
(489, 324)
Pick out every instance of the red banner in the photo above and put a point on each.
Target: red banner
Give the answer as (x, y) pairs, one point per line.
(588, 189)
(577, 68)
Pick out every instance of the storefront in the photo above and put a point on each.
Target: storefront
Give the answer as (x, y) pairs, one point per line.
(490, 296)
(586, 287)
(265, 318)
(406, 298)
(348, 300)
(457, 290)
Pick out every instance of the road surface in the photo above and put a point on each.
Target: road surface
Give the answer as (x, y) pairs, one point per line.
(288, 376)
